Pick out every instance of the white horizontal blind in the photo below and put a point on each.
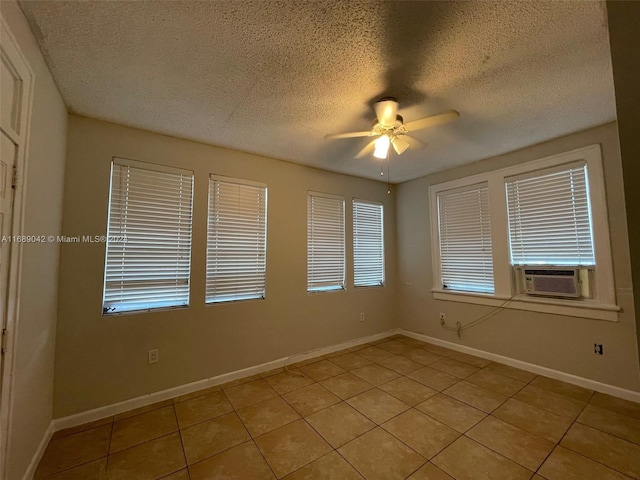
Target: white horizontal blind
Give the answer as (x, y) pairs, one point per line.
(549, 217)
(466, 258)
(325, 243)
(368, 244)
(149, 237)
(236, 240)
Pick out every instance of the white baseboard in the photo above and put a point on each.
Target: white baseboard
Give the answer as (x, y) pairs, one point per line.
(116, 408)
(531, 367)
(35, 461)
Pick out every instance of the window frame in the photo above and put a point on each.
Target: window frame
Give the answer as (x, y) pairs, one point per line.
(603, 304)
(354, 201)
(152, 167)
(247, 183)
(343, 286)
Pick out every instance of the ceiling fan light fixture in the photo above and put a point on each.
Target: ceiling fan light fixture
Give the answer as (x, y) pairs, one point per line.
(382, 147)
(399, 144)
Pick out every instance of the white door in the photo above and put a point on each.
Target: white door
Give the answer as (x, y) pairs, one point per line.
(15, 92)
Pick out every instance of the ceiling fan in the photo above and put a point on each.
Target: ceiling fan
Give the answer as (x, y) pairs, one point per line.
(390, 130)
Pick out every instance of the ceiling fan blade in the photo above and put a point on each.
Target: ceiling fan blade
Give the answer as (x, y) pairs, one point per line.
(369, 148)
(414, 143)
(348, 135)
(399, 145)
(386, 111)
(432, 120)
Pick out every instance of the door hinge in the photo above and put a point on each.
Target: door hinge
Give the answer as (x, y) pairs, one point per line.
(14, 178)
(5, 335)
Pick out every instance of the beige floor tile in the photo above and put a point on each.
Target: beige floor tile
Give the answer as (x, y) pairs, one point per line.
(518, 445)
(612, 451)
(200, 409)
(311, 399)
(374, 354)
(400, 364)
(377, 405)
(608, 421)
(550, 401)
(511, 372)
(288, 381)
(465, 459)
(451, 412)
(349, 361)
(249, 393)
(424, 434)
(96, 470)
(330, 467)
(212, 437)
(496, 382)
(243, 462)
(378, 455)
(181, 475)
(81, 428)
(273, 371)
(454, 367)
(267, 415)
(476, 396)
(145, 409)
(375, 374)
(409, 391)
(142, 428)
(433, 378)
(291, 447)
(73, 450)
(430, 472)
(421, 356)
(346, 385)
(438, 350)
(196, 394)
(564, 464)
(563, 388)
(340, 424)
(470, 359)
(533, 419)
(396, 347)
(242, 380)
(618, 405)
(322, 370)
(153, 459)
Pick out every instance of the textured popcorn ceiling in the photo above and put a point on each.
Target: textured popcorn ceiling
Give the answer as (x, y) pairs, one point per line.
(274, 77)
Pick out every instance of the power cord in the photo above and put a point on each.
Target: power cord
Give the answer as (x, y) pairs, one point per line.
(459, 328)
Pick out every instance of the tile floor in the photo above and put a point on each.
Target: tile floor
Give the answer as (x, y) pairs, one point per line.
(393, 409)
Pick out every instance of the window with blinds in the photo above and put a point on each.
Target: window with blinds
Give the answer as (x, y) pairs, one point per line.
(325, 242)
(368, 244)
(148, 250)
(466, 257)
(236, 240)
(549, 217)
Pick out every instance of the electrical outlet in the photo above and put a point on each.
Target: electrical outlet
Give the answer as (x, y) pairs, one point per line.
(598, 349)
(153, 356)
(362, 316)
(443, 318)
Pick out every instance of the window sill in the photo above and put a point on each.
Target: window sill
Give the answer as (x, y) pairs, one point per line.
(571, 308)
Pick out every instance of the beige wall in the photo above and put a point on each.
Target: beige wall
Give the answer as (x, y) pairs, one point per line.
(102, 360)
(624, 38)
(36, 326)
(557, 342)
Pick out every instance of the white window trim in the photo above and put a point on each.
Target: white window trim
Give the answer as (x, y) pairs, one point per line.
(343, 287)
(601, 307)
(236, 181)
(355, 200)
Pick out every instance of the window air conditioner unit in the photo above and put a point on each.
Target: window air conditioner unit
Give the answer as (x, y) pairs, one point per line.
(550, 281)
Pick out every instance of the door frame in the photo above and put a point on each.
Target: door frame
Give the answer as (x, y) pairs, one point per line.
(10, 44)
